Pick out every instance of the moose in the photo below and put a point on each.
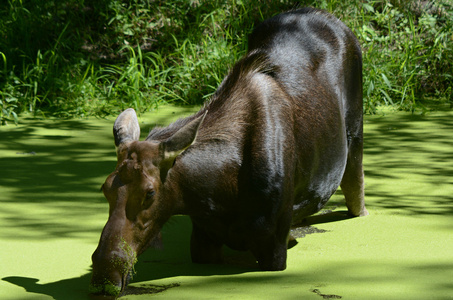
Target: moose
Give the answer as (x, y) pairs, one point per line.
(282, 132)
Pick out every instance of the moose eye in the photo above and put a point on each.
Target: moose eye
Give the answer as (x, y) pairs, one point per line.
(150, 195)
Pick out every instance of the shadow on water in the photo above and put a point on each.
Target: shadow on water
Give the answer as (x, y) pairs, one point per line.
(326, 216)
(70, 289)
(77, 288)
(414, 151)
(170, 262)
(56, 167)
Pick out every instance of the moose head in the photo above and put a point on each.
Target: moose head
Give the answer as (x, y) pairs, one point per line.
(140, 199)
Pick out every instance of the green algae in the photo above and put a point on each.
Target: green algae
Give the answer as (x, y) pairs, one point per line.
(107, 288)
(148, 289)
(126, 266)
(52, 216)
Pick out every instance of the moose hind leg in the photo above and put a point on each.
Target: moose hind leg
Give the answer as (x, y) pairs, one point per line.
(352, 183)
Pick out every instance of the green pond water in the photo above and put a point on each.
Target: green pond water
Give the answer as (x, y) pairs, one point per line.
(52, 213)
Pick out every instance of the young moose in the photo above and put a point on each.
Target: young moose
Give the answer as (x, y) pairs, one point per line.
(280, 135)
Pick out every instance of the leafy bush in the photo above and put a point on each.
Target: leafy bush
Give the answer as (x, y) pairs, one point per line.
(93, 57)
(408, 52)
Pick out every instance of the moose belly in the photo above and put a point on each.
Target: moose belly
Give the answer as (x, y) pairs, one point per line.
(311, 196)
(238, 232)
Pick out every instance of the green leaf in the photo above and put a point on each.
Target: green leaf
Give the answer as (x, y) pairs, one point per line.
(368, 7)
(370, 89)
(386, 80)
(387, 98)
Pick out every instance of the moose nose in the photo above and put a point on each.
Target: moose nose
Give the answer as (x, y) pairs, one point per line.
(107, 277)
(109, 284)
(106, 287)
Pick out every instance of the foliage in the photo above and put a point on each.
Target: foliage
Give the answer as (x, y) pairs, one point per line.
(92, 57)
(408, 52)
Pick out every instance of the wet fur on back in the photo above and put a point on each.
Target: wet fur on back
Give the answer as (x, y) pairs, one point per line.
(218, 122)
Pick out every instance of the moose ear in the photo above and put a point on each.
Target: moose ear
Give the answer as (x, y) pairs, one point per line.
(126, 127)
(182, 139)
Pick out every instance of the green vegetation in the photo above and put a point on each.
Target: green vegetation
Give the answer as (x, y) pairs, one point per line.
(75, 58)
(131, 259)
(109, 288)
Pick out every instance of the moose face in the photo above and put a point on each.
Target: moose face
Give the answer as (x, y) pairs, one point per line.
(140, 201)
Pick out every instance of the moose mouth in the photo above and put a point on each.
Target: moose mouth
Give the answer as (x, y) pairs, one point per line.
(112, 280)
(112, 275)
(110, 289)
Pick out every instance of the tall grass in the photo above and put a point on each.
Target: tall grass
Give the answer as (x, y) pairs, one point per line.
(408, 53)
(74, 58)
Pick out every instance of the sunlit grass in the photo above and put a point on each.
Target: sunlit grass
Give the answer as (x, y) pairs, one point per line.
(77, 58)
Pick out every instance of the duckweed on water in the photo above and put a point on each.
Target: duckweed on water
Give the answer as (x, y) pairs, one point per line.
(108, 288)
(127, 266)
(300, 232)
(148, 289)
(405, 240)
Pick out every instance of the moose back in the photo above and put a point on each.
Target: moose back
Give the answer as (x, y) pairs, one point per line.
(280, 135)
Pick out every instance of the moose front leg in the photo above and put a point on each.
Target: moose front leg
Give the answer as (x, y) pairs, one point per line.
(203, 249)
(271, 251)
(271, 254)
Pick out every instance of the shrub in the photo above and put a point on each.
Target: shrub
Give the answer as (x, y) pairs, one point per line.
(93, 57)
